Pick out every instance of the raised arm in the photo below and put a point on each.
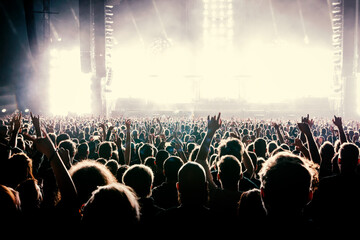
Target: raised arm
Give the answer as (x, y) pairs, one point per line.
(201, 158)
(338, 123)
(179, 145)
(36, 122)
(63, 178)
(301, 148)
(128, 142)
(161, 127)
(16, 122)
(277, 129)
(313, 149)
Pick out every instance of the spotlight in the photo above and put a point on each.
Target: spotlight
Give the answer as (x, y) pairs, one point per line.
(27, 110)
(3, 110)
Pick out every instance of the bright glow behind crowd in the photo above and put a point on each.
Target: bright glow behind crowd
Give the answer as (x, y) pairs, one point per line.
(259, 74)
(69, 89)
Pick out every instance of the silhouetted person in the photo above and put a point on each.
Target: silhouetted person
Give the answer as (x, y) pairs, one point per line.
(336, 202)
(140, 178)
(165, 195)
(286, 189)
(193, 195)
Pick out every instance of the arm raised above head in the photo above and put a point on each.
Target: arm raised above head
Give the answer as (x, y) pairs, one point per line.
(213, 125)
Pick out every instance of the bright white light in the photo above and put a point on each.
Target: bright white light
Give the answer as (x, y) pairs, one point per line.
(69, 88)
(158, 78)
(283, 72)
(220, 38)
(3, 110)
(27, 110)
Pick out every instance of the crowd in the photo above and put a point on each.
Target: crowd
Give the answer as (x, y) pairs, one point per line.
(180, 174)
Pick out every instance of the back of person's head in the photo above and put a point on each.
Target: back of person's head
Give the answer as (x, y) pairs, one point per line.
(260, 147)
(348, 157)
(19, 168)
(105, 150)
(83, 151)
(271, 146)
(192, 185)
(190, 147)
(140, 178)
(232, 147)
(146, 150)
(113, 166)
(114, 205)
(150, 162)
(327, 152)
(30, 195)
(68, 145)
(171, 168)
(286, 183)
(62, 137)
(88, 175)
(229, 171)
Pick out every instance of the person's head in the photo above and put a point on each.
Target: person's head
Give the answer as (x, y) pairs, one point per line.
(30, 195)
(19, 168)
(348, 157)
(190, 147)
(83, 151)
(105, 150)
(69, 145)
(160, 158)
(88, 175)
(116, 204)
(113, 166)
(327, 152)
(271, 146)
(62, 137)
(145, 151)
(171, 168)
(192, 185)
(286, 184)
(140, 178)
(260, 147)
(229, 172)
(150, 162)
(135, 134)
(232, 147)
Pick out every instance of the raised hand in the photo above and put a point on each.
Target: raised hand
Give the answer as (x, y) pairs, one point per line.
(36, 122)
(298, 144)
(43, 144)
(17, 121)
(304, 127)
(307, 120)
(337, 121)
(214, 123)
(128, 124)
